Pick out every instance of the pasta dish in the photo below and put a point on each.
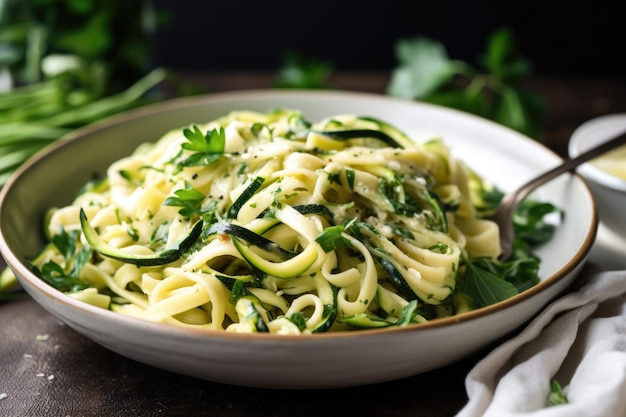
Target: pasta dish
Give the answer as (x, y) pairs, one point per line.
(267, 222)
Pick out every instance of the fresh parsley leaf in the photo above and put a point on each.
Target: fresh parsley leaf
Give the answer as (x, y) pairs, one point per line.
(487, 281)
(55, 275)
(189, 199)
(483, 286)
(66, 277)
(208, 148)
(332, 237)
(530, 221)
(65, 242)
(521, 271)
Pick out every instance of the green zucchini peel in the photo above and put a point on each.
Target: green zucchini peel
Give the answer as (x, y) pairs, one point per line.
(168, 255)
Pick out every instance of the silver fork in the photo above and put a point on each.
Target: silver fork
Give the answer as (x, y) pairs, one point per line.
(504, 216)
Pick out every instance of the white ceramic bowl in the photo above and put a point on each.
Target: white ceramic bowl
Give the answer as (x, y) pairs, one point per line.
(608, 190)
(307, 361)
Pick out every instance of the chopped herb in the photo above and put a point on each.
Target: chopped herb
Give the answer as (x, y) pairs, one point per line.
(334, 178)
(401, 231)
(208, 212)
(298, 319)
(159, 235)
(133, 233)
(277, 203)
(242, 169)
(439, 248)
(557, 397)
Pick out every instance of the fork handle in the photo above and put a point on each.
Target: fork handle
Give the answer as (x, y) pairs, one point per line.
(568, 164)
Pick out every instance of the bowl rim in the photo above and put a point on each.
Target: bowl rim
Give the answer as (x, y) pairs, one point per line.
(38, 287)
(589, 129)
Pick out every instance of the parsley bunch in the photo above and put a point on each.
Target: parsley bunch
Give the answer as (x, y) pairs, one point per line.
(301, 71)
(492, 89)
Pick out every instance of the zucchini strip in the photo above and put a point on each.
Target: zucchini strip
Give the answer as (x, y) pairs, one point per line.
(243, 239)
(396, 277)
(359, 133)
(249, 315)
(398, 136)
(245, 196)
(251, 237)
(314, 209)
(287, 269)
(169, 255)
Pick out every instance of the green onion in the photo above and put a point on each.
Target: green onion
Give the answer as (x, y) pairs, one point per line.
(35, 115)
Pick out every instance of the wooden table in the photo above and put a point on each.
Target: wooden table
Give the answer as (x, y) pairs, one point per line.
(47, 369)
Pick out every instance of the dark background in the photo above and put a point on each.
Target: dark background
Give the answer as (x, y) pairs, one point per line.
(559, 38)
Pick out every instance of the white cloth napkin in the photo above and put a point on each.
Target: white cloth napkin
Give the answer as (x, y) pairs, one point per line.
(579, 340)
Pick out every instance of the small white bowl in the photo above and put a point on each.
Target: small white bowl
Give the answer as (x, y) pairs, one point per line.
(609, 190)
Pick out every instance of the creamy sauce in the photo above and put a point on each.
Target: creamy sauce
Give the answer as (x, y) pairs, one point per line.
(613, 162)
